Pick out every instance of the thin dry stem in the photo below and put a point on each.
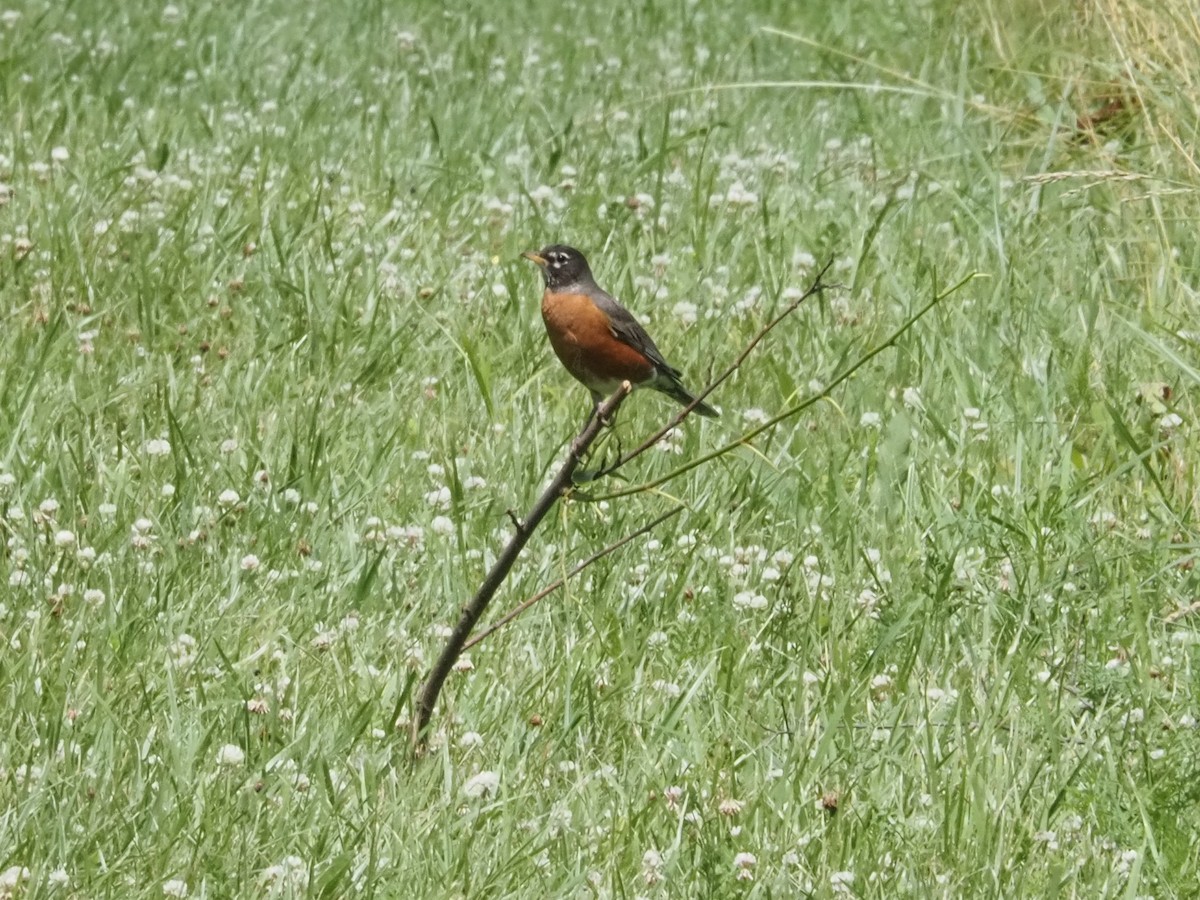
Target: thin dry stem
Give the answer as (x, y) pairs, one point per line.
(559, 582)
(837, 380)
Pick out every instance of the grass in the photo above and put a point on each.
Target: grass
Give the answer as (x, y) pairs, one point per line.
(274, 373)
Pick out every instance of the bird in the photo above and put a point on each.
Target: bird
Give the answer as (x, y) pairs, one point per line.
(596, 338)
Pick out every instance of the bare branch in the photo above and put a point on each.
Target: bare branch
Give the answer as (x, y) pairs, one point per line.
(427, 696)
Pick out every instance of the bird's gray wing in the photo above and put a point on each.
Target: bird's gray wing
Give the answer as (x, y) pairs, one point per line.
(627, 329)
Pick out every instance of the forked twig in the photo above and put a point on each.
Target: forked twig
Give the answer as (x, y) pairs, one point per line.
(427, 696)
(816, 287)
(460, 637)
(843, 376)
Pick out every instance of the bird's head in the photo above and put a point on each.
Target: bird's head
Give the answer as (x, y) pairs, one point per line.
(561, 265)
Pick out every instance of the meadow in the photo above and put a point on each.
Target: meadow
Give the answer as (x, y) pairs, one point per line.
(274, 376)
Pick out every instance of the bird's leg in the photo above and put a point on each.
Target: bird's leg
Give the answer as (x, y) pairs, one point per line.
(597, 399)
(583, 474)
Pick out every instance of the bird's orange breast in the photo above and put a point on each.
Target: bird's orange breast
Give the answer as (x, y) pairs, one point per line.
(582, 338)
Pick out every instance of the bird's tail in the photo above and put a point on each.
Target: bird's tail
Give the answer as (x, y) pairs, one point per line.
(674, 389)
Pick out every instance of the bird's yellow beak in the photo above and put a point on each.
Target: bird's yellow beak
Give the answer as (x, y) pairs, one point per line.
(534, 258)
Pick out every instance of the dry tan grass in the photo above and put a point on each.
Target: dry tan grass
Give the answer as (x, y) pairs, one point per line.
(1158, 45)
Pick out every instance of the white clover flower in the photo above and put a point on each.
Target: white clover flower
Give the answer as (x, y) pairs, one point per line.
(749, 600)
(230, 756)
(470, 740)
(157, 447)
(286, 878)
(439, 498)
(11, 879)
(1049, 838)
(228, 497)
(756, 416)
(481, 785)
(1125, 861)
(667, 688)
(880, 686)
(64, 539)
(802, 260)
(182, 652)
(730, 807)
(912, 399)
(686, 312)
(324, 640)
(743, 864)
(176, 887)
(652, 863)
(408, 535)
(736, 195)
(673, 795)
(1169, 424)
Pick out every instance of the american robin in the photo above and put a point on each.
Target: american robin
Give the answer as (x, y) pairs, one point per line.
(595, 337)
